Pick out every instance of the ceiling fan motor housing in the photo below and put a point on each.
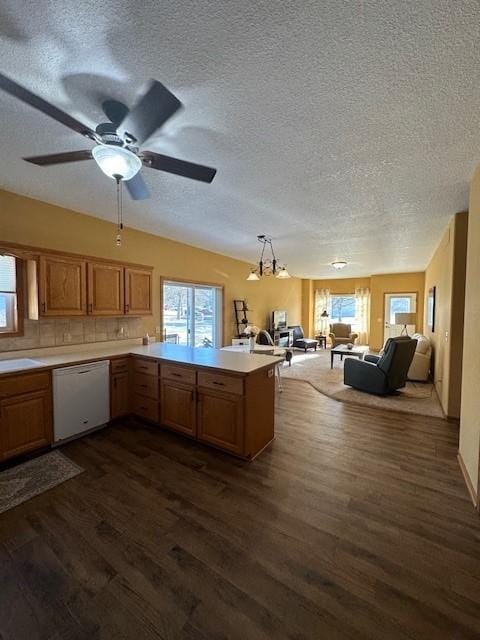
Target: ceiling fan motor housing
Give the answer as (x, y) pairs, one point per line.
(108, 133)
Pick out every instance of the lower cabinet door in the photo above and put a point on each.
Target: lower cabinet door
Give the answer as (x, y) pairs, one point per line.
(25, 423)
(177, 407)
(220, 420)
(119, 395)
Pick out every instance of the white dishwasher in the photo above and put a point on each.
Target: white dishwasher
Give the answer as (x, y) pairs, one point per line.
(81, 399)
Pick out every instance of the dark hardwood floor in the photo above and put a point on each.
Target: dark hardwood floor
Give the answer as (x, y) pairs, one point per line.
(354, 523)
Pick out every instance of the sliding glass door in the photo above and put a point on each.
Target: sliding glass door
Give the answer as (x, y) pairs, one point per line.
(192, 314)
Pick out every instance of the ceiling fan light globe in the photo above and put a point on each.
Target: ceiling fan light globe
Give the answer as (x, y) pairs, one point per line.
(116, 161)
(339, 264)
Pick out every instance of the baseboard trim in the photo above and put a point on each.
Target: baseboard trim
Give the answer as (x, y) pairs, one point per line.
(468, 482)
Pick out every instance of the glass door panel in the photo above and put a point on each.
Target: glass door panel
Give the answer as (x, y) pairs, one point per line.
(192, 314)
(398, 303)
(204, 316)
(176, 313)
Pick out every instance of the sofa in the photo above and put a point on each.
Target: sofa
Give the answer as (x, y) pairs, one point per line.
(299, 341)
(383, 374)
(420, 367)
(341, 333)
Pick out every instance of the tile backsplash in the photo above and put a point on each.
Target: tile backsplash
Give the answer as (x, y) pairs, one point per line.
(60, 332)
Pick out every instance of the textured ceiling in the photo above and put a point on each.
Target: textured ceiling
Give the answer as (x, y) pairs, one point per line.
(345, 129)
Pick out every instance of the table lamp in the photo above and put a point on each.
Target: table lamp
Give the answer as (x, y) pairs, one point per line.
(405, 318)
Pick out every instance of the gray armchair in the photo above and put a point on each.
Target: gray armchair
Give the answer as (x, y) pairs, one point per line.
(299, 340)
(381, 374)
(341, 333)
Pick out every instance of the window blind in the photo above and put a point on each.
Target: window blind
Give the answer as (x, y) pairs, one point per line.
(8, 277)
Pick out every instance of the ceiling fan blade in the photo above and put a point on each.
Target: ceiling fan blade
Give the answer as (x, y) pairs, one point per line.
(60, 158)
(150, 112)
(23, 94)
(179, 167)
(137, 188)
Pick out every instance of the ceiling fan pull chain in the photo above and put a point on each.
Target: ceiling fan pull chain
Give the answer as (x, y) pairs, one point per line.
(119, 211)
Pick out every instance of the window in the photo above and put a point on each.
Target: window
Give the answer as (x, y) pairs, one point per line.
(192, 314)
(342, 309)
(399, 304)
(10, 322)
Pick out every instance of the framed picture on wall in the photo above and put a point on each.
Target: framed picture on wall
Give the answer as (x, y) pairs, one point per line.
(431, 308)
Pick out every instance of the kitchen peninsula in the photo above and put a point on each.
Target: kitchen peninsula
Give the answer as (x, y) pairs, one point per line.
(220, 398)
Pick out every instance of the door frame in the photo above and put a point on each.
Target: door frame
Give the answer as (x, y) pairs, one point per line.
(193, 283)
(400, 293)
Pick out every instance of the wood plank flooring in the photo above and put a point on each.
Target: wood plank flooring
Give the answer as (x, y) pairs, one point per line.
(355, 524)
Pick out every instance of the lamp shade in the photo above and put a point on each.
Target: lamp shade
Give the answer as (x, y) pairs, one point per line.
(324, 314)
(405, 318)
(253, 276)
(283, 274)
(116, 161)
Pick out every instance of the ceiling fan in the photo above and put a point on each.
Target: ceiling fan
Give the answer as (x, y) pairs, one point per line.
(118, 141)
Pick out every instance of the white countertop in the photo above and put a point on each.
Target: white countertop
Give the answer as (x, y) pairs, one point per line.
(236, 362)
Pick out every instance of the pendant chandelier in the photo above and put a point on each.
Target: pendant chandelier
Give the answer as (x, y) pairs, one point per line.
(268, 266)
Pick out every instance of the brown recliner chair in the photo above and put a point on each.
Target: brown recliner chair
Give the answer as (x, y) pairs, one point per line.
(341, 333)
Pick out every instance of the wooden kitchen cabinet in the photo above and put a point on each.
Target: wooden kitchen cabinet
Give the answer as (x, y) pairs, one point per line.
(220, 419)
(25, 414)
(106, 289)
(119, 395)
(138, 291)
(62, 286)
(178, 406)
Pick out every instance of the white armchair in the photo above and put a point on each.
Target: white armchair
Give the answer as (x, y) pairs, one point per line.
(420, 368)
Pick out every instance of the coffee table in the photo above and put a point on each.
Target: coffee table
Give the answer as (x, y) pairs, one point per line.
(341, 350)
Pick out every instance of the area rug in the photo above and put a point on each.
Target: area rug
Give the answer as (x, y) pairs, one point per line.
(314, 368)
(29, 479)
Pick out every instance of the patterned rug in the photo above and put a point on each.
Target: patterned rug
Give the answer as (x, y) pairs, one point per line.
(314, 367)
(24, 481)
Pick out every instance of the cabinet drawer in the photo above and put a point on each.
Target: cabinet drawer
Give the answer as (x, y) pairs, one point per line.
(13, 385)
(119, 366)
(180, 374)
(145, 385)
(220, 382)
(148, 367)
(145, 407)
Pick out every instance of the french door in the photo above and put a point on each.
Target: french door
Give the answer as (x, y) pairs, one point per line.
(398, 303)
(192, 314)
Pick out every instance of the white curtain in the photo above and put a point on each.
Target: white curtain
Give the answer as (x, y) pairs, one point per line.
(362, 314)
(322, 303)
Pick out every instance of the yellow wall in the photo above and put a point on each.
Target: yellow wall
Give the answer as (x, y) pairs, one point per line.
(470, 411)
(446, 271)
(379, 285)
(36, 223)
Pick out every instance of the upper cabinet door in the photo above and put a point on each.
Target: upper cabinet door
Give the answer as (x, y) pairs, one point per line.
(105, 289)
(62, 284)
(138, 291)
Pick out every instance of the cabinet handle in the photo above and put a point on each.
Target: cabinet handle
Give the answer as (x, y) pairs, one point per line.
(114, 383)
(220, 384)
(177, 375)
(145, 386)
(90, 307)
(43, 307)
(127, 307)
